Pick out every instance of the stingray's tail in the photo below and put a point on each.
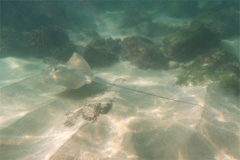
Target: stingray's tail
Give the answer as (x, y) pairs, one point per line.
(142, 92)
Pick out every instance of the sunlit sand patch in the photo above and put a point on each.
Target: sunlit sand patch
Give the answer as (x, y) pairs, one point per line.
(5, 121)
(141, 82)
(181, 155)
(158, 112)
(221, 117)
(223, 155)
(118, 131)
(13, 64)
(57, 137)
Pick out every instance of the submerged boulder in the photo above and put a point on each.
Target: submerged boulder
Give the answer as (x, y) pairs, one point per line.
(101, 52)
(143, 53)
(51, 41)
(189, 43)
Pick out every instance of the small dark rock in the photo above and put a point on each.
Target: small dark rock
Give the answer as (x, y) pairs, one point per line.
(89, 111)
(90, 114)
(104, 108)
(143, 53)
(101, 52)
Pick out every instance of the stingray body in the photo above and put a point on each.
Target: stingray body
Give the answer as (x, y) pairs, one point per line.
(73, 75)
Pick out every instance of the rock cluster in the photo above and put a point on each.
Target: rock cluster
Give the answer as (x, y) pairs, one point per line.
(89, 112)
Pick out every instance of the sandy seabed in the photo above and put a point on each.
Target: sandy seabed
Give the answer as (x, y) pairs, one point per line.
(138, 126)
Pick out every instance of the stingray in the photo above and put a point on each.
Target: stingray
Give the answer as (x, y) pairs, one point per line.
(73, 75)
(76, 73)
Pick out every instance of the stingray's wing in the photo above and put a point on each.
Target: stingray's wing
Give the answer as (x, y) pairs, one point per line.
(77, 62)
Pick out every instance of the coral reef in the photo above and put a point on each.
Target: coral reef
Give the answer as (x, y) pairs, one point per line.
(189, 43)
(101, 52)
(143, 53)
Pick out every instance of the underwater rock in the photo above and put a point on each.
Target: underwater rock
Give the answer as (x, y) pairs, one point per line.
(142, 53)
(225, 23)
(132, 18)
(51, 41)
(179, 8)
(189, 43)
(217, 66)
(153, 29)
(89, 111)
(101, 52)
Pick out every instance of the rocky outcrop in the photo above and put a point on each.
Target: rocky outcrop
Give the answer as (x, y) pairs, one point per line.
(142, 53)
(101, 52)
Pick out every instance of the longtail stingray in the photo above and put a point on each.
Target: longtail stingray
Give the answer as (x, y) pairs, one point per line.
(73, 75)
(76, 73)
